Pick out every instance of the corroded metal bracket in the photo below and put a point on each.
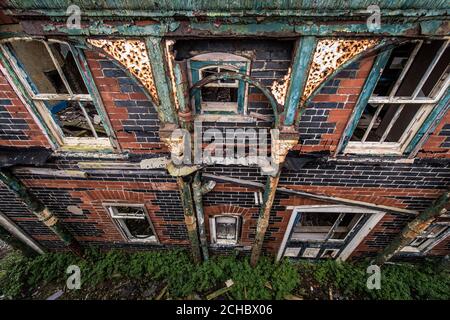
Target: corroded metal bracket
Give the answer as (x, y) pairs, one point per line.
(329, 55)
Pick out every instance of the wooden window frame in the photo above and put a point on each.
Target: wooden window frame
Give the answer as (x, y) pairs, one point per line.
(373, 219)
(225, 61)
(123, 229)
(420, 123)
(38, 99)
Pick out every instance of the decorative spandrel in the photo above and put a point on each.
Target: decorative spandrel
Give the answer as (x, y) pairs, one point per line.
(132, 54)
(329, 55)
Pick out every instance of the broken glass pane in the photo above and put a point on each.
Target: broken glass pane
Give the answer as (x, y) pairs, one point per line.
(383, 122)
(96, 120)
(226, 228)
(403, 122)
(70, 70)
(347, 223)
(39, 68)
(71, 119)
(130, 211)
(419, 65)
(138, 228)
(219, 94)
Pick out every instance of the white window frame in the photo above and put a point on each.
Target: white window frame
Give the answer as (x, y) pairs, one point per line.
(428, 103)
(212, 228)
(111, 208)
(431, 241)
(65, 143)
(372, 221)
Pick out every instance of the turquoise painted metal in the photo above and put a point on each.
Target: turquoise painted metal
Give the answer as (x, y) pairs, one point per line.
(196, 66)
(299, 75)
(434, 117)
(243, 78)
(363, 98)
(214, 8)
(166, 108)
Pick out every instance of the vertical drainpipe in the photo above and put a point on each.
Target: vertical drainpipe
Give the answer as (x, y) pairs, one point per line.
(169, 121)
(264, 215)
(288, 136)
(414, 228)
(199, 190)
(189, 218)
(40, 210)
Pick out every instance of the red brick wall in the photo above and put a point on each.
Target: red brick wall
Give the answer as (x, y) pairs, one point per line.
(17, 126)
(437, 144)
(345, 90)
(132, 114)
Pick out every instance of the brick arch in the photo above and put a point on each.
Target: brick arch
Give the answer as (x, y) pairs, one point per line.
(225, 209)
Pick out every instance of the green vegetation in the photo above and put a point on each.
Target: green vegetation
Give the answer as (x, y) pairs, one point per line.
(173, 273)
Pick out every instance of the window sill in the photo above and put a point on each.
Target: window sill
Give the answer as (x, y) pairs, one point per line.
(225, 118)
(408, 249)
(147, 241)
(387, 149)
(86, 145)
(216, 245)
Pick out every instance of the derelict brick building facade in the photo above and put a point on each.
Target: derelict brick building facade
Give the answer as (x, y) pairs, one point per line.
(82, 183)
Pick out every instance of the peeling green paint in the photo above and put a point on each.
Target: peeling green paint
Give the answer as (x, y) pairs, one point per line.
(299, 75)
(166, 108)
(363, 98)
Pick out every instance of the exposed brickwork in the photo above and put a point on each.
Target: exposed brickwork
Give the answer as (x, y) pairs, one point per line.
(382, 235)
(438, 143)
(131, 112)
(379, 180)
(17, 127)
(325, 118)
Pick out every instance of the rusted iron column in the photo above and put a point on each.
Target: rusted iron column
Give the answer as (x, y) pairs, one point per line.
(40, 210)
(282, 142)
(189, 218)
(264, 215)
(414, 228)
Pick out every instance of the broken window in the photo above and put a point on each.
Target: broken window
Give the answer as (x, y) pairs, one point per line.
(325, 226)
(225, 96)
(51, 75)
(133, 222)
(414, 79)
(429, 238)
(224, 229)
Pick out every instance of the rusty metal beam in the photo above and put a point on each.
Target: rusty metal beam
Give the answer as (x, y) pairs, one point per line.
(40, 210)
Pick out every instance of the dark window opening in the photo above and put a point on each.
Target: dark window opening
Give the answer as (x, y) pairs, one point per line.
(133, 221)
(219, 94)
(77, 119)
(33, 57)
(321, 226)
